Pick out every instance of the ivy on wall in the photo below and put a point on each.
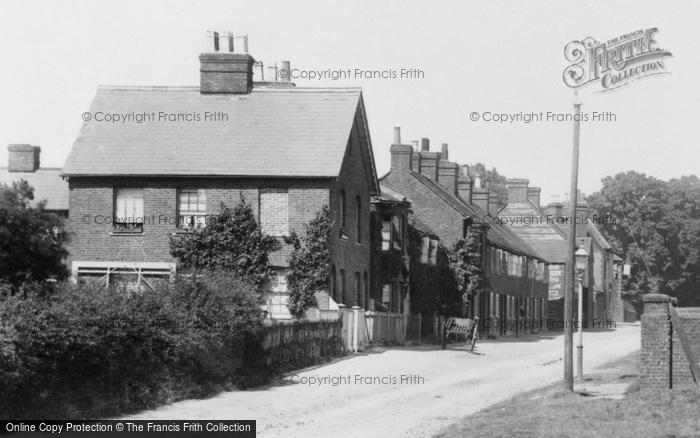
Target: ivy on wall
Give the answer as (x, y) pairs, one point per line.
(309, 264)
(466, 260)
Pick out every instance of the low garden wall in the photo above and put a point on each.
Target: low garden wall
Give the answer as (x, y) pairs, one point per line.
(664, 363)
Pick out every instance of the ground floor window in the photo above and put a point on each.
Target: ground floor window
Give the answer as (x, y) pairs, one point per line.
(130, 275)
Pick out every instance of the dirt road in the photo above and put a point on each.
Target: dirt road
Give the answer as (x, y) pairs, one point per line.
(410, 391)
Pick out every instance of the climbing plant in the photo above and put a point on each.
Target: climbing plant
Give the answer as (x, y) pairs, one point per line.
(309, 264)
(465, 258)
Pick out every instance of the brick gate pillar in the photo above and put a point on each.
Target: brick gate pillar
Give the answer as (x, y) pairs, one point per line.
(655, 354)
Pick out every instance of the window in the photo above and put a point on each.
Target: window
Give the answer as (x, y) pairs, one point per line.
(342, 209)
(425, 250)
(358, 219)
(274, 212)
(359, 301)
(128, 214)
(192, 208)
(366, 290)
(386, 233)
(333, 288)
(396, 231)
(343, 295)
(433, 252)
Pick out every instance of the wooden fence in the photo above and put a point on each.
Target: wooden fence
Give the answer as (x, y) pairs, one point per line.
(392, 328)
(290, 345)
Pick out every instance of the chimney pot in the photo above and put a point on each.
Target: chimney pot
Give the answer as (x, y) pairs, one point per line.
(425, 144)
(397, 135)
(414, 143)
(230, 42)
(444, 153)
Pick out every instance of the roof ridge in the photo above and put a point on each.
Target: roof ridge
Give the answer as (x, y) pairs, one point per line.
(263, 89)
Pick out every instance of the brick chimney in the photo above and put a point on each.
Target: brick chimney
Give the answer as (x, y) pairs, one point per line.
(447, 171)
(226, 72)
(429, 160)
(400, 154)
(555, 209)
(464, 185)
(517, 189)
(533, 195)
(493, 204)
(23, 158)
(480, 198)
(415, 163)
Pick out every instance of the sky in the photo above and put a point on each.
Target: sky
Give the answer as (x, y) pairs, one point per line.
(486, 56)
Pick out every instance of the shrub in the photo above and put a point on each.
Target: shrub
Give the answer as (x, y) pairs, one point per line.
(87, 351)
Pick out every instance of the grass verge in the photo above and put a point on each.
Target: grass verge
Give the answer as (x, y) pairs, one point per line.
(553, 412)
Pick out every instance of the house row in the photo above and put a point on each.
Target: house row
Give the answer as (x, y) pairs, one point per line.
(128, 188)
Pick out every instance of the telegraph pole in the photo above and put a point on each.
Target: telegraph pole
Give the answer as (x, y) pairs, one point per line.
(570, 258)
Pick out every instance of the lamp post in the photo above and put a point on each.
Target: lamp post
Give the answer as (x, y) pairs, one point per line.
(570, 249)
(581, 262)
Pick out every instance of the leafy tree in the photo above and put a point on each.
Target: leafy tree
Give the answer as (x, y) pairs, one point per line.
(31, 240)
(655, 225)
(309, 264)
(493, 180)
(465, 258)
(231, 241)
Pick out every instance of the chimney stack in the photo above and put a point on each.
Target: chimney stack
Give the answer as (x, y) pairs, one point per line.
(493, 203)
(226, 72)
(533, 195)
(480, 198)
(447, 172)
(517, 189)
(428, 160)
(555, 209)
(400, 154)
(23, 158)
(464, 185)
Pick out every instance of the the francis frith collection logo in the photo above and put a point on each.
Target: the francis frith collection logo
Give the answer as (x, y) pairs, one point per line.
(616, 62)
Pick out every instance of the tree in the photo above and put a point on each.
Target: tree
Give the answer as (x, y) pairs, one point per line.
(309, 264)
(231, 241)
(466, 263)
(655, 225)
(31, 240)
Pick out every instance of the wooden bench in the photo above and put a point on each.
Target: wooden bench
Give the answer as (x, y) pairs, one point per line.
(462, 327)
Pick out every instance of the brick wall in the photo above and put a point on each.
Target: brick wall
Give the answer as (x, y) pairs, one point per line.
(91, 232)
(663, 363)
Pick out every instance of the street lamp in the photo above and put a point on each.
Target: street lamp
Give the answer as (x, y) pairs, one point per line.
(581, 257)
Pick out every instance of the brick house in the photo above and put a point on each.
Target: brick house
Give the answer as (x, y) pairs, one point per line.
(445, 198)
(287, 151)
(545, 229)
(389, 254)
(24, 163)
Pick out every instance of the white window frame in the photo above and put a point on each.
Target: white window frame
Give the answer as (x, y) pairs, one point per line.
(190, 218)
(128, 208)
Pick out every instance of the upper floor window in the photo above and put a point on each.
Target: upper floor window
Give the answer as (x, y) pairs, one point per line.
(358, 219)
(192, 208)
(342, 209)
(128, 209)
(274, 212)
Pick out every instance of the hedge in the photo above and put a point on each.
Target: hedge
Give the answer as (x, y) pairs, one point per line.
(88, 351)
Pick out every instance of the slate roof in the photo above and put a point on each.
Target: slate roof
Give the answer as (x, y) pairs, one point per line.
(530, 224)
(282, 132)
(417, 223)
(48, 185)
(389, 195)
(498, 235)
